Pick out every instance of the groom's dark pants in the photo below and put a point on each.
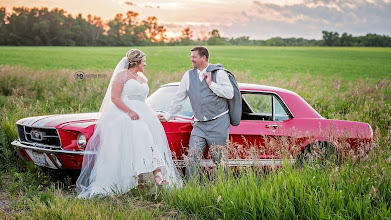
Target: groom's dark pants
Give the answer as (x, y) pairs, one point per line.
(213, 133)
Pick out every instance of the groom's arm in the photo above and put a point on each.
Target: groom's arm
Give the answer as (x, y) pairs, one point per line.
(179, 99)
(222, 87)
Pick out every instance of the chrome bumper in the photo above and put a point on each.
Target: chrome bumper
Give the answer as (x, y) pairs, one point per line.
(18, 144)
(45, 157)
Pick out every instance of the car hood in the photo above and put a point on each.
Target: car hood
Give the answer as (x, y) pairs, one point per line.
(58, 121)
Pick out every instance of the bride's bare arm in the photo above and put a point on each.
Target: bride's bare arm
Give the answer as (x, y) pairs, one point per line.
(116, 90)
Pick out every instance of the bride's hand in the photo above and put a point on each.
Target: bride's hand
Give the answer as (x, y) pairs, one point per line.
(161, 118)
(133, 115)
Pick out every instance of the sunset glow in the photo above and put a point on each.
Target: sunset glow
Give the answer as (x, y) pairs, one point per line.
(260, 19)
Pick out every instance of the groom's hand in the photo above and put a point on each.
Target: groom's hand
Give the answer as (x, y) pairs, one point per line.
(208, 78)
(161, 118)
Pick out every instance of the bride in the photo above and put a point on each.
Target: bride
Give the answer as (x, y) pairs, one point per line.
(129, 144)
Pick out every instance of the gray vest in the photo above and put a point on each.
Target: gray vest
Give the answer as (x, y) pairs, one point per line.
(205, 103)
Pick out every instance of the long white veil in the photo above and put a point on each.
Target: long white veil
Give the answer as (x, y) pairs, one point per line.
(92, 149)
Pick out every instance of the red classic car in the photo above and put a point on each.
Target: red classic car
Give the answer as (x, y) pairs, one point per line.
(276, 124)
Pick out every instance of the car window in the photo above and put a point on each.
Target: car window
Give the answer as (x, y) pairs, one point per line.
(259, 106)
(160, 101)
(259, 103)
(279, 111)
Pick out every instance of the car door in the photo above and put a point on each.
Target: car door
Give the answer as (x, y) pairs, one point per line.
(258, 135)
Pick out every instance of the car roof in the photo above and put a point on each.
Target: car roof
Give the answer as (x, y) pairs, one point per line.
(248, 86)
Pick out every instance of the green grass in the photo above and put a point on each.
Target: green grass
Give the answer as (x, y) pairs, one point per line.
(357, 191)
(39, 81)
(33, 197)
(259, 62)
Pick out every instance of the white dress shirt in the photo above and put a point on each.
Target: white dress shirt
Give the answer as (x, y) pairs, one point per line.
(222, 87)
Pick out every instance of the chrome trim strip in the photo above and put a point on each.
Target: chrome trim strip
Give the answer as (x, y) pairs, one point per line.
(24, 132)
(17, 143)
(56, 159)
(46, 136)
(33, 126)
(273, 109)
(240, 162)
(58, 134)
(43, 146)
(178, 163)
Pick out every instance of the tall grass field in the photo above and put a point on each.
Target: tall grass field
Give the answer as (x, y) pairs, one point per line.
(340, 83)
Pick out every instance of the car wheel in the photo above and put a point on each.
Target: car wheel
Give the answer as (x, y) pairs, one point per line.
(321, 154)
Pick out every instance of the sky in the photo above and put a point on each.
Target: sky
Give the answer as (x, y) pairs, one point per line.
(259, 19)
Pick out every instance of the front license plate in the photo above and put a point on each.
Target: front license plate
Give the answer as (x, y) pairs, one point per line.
(39, 158)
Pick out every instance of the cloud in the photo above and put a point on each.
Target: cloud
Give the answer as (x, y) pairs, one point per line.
(150, 6)
(259, 19)
(308, 18)
(263, 19)
(130, 3)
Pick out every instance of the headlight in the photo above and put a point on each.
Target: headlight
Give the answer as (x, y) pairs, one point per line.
(81, 141)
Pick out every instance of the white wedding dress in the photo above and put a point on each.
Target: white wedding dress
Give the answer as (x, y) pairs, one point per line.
(128, 148)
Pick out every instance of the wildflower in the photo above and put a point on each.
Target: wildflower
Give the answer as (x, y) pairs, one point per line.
(372, 193)
(219, 199)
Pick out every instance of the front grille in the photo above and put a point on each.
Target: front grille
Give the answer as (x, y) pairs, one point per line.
(47, 138)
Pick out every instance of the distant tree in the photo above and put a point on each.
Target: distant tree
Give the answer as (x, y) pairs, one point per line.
(215, 38)
(346, 40)
(187, 33)
(80, 31)
(185, 39)
(96, 29)
(156, 32)
(41, 26)
(215, 33)
(3, 17)
(374, 40)
(330, 38)
(130, 23)
(116, 30)
(131, 18)
(60, 29)
(275, 41)
(17, 28)
(140, 36)
(203, 36)
(369, 40)
(245, 41)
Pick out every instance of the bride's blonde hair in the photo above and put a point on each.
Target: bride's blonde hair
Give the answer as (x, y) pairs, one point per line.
(135, 56)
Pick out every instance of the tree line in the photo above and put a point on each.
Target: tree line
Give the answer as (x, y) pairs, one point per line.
(44, 27)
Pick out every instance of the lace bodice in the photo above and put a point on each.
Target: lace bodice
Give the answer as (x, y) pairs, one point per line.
(134, 90)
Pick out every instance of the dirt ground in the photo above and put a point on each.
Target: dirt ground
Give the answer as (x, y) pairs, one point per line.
(4, 202)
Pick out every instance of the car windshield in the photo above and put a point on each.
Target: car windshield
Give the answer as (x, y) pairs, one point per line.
(160, 101)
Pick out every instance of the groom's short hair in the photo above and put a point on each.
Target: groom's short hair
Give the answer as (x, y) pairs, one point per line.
(202, 51)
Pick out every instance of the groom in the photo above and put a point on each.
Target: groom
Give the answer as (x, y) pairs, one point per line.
(208, 95)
